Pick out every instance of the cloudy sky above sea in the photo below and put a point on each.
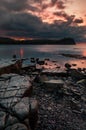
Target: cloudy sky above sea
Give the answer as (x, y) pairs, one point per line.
(32, 19)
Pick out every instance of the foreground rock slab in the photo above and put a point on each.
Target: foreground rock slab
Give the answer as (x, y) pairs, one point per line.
(54, 84)
(17, 108)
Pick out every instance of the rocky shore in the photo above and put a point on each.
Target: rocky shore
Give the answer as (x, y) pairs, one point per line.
(42, 96)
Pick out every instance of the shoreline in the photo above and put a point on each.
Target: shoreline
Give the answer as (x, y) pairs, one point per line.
(60, 94)
(76, 56)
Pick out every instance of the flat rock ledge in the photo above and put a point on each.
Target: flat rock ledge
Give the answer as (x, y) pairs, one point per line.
(18, 110)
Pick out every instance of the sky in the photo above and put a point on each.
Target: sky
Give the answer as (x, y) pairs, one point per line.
(43, 19)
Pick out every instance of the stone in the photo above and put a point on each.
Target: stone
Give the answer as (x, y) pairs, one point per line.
(55, 72)
(13, 89)
(11, 120)
(76, 75)
(17, 126)
(16, 101)
(67, 65)
(54, 84)
(2, 120)
(75, 105)
(82, 82)
(21, 109)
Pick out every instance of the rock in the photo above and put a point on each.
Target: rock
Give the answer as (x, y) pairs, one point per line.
(10, 120)
(21, 109)
(74, 64)
(67, 65)
(17, 126)
(40, 78)
(75, 105)
(79, 69)
(76, 75)
(43, 78)
(32, 60)
(84, 114)
(13, 89)
(54, 84)
(2, 120)
(82, 82)
(16, 101)
(55, 72)
(14, 57)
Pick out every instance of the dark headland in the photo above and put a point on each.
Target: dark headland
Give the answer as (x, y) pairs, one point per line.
(64, 41)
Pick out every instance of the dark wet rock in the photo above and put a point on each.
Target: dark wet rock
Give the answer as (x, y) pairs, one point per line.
(41, 78)
(17, 126)
(2, 120)
(67, 65)
(14, 57)
(79, 69)
(84, 114)
(21, 109)
(74, 64)
(32, 60)
(75, 105)
(40, 62)
(54, 84)
(82, 82)
(76, 75)
(16, 103)
(55, 72)
(10, 120)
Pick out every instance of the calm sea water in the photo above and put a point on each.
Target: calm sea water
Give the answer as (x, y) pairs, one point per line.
(45, 51)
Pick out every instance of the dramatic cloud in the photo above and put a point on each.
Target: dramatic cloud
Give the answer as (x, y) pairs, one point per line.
(79, 20)
(41, 19)
(14, 5)
(65, 15)
(60, 5)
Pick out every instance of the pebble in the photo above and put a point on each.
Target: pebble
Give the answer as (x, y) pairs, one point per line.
(56, 112)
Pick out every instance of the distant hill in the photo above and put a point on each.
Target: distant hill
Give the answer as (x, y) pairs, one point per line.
(65, 41)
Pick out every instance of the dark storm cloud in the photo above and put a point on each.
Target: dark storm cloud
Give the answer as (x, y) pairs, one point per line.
(79, 20)
(26, 25)
(54, 2)
(60, 5)
(70, 18)
(16, 23)
(16, 5)
(65, 15)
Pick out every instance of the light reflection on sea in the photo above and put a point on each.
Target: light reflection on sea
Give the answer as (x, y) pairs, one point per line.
(52, 52)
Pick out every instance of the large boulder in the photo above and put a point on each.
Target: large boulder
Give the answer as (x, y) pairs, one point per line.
(16, 103)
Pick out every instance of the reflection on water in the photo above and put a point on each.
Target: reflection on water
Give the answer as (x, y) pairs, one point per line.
(45, 51)
(47, 48)
(21, 52)
(84, 53)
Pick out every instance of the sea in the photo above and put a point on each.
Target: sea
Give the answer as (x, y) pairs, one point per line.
(52, 52)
